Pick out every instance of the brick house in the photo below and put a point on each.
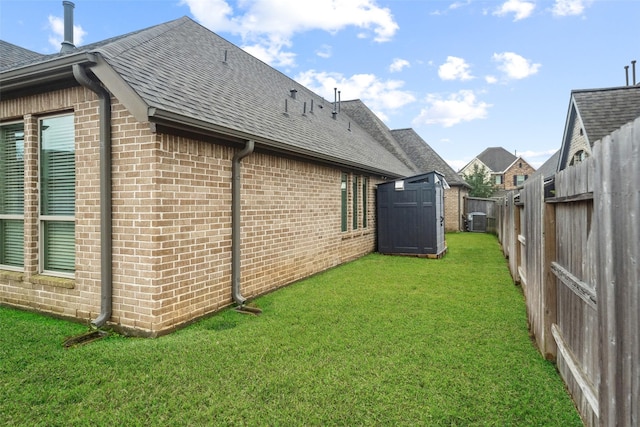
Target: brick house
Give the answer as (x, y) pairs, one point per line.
(594, 114)
(505, 170)
(158, 176)
(406, 144)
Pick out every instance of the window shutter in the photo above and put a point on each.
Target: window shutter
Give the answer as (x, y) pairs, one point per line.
(355, 202)
(343, 216)
(515, 179)
(365, 187)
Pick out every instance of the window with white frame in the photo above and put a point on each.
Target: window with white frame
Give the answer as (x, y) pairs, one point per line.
(12, 196)
(57, 195)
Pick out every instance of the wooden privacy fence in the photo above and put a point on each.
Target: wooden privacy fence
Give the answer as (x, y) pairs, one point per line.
(577, 257)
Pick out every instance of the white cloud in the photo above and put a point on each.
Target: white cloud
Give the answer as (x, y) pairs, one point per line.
(382, 96)
(325, 51)
(520, 9)
(515, 66)
(462, 106)
(530, 153)
(454, 69)
(56, 25)
(491, 79)
(398, 64)
(570, 7)
(267, 26)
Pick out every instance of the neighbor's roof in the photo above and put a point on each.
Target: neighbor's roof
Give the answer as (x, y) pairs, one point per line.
(425, 158)
(180, 73)
(603, 111)
(548, 168)
(497, 158)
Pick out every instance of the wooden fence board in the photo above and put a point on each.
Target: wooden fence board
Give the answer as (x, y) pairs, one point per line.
(617, 210)
(579, 256)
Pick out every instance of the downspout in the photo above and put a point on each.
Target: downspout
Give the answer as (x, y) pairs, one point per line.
(106, 287)
(236, 186)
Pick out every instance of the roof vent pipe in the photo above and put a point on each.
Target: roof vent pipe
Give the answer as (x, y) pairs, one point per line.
(633, 68)
(67, 44)
(339, 101)
(293, 93)
(626, 73)
(335, 101)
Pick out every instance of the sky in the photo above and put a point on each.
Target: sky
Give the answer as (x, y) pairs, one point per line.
(465, 75)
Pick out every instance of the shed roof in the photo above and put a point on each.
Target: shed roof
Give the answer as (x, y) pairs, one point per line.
(180, 73)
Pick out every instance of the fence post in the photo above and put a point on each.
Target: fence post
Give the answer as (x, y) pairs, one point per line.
(550, 296)
(517, 261)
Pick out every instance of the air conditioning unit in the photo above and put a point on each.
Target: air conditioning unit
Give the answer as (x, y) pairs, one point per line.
(478, 222)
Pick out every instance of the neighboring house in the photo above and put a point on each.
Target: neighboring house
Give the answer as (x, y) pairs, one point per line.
(407, 145)
(158, 176)
(594, 114)
(505, 170)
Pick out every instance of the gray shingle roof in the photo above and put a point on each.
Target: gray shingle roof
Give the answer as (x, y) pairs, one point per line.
(179, 68)
(497, 158)
(602, 111)
(548, 168)
(12, 55)
(370, 122)
(425, 158)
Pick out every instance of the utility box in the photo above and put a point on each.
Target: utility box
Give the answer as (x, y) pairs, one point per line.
(478, 222)
(410, 216)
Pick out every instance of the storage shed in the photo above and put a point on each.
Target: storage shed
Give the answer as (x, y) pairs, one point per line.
(411, 216)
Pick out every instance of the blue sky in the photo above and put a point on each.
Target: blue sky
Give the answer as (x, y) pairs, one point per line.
(466, 75)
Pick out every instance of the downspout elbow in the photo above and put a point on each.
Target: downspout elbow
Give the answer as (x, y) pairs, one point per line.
(236, 186)
(106, 248)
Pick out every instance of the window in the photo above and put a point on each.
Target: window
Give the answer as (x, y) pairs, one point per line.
(355, 202)
(343, 189)
(519, 179)
(12, 196)
(57, 195)
(578, 157)
(365, 189)
(498, 179)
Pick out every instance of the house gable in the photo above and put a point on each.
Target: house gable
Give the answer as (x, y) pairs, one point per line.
(594, 114)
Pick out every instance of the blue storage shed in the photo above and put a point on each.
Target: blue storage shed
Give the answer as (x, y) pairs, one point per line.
(410, 216)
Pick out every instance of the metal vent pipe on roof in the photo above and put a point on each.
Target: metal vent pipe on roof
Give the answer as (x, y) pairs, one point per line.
(633, 68)
(67, 43)
(626, 73)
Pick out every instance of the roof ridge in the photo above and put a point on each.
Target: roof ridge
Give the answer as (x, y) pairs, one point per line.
(146, 35)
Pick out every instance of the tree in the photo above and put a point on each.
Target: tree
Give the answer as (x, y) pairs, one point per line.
(480, 182)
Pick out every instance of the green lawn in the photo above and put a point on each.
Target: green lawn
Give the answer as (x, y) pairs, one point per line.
(380, 341)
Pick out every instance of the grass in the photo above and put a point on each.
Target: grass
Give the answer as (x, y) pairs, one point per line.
(379, 341)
